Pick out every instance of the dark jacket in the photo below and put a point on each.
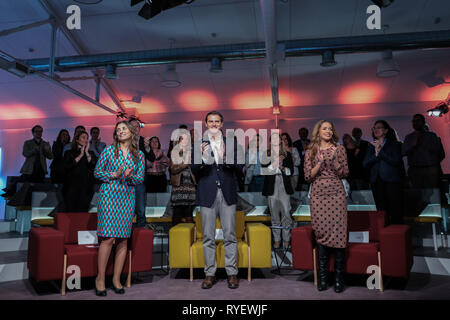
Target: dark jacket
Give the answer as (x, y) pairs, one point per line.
(150, 156)
(269, 180)
(388, 165)
(209, 175)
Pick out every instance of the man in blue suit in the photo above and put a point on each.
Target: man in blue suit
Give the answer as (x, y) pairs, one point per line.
(217, 196)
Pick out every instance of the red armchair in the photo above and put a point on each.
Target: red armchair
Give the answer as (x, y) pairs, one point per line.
(389, 247)
(52, 250)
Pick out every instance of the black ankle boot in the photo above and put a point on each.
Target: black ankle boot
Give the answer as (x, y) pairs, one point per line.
(339, 268)
(323, 267)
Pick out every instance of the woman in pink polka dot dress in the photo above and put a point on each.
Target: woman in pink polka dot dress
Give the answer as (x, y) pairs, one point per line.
(325, 166)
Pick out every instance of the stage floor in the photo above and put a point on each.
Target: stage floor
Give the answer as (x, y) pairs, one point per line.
(265, 285)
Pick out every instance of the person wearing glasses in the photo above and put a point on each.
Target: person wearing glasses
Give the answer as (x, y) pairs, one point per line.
(385, 165)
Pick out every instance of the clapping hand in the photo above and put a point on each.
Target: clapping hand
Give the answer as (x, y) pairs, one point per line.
(86, 149)
(46, 147)
(377, 145)
(127, 172)
(118, 173)
(319, 158)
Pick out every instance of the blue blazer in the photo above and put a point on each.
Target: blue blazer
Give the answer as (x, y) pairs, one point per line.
(388, 165)
(208, 174)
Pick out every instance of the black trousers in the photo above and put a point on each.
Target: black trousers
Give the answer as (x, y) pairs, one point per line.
(182, 211)
(156, 183)
(388, 197)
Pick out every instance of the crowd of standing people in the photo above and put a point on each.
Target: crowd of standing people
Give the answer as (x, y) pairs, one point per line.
(133, 166)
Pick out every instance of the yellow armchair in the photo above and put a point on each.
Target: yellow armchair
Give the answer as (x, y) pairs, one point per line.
(253, 245)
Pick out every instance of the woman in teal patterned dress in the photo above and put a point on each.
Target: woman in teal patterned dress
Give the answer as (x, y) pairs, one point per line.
(121, 166)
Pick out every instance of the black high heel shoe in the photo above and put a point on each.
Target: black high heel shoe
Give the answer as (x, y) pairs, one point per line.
(98, 292)
(118, 291)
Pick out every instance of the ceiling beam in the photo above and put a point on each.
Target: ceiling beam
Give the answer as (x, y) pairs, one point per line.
(257, 50)
(81, 50)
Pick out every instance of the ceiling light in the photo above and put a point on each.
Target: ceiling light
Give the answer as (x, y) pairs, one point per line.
(170, 77)
(110, 72)
(439, 110)
(383, 3)
(387, 67)
(216, 65)
(328, 59)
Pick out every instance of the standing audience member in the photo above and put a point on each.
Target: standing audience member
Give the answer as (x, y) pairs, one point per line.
(362, 145)
(140, 192)
(254, 181)
(384, 162)
(182, 180)
(425, 152)
(301, 145)
(325, 166)
(355, 160)
(35, 152)
(287, 141)
(278, 188)
(79, 128)
(57, 171)
(217, 196)
(120, 167)
(79, 163)
(95, 144)
(156, 170)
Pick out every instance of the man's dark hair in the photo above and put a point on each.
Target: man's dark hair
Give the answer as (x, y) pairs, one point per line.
(355, 130)
(303, 129)
(35, 127)
(217, 113)
(94, 128)
(421, 116)
(80, 127)
(183, 126)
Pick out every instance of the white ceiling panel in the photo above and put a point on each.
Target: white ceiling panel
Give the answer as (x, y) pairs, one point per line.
(232, 23)
(26, 11)
(176, 24)
(312, 19)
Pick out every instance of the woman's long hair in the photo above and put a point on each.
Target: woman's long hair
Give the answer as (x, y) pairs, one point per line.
(74, 145)
(133, 143)
(314, 145)
(282, 151)
(58, 138)
(288, 137)
(391, 134)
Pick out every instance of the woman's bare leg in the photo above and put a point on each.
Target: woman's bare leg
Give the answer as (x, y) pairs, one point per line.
(103, 255)
(121, 254)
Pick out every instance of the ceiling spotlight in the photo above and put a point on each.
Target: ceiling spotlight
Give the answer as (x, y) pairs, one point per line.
(328, 59)
(439, 110)
(216, 65)
(110, 72)
(153, 7)
(383, 3)
(387, 67)
(170, 77)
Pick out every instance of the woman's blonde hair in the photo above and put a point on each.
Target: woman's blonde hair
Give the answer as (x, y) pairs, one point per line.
(133, 143)
(314, 145)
